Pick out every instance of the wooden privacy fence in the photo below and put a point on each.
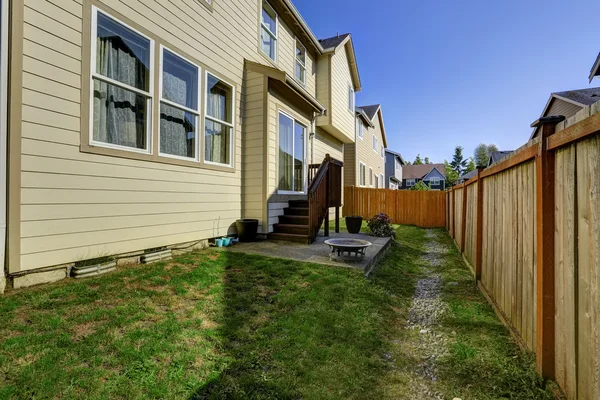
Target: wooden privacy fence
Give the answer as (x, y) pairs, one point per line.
(530, 229)
(410, 207)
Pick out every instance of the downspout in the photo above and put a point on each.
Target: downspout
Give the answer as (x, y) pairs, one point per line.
(312, 137)
(4, 24)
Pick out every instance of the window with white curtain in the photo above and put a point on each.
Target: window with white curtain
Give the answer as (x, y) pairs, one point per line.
(363, 174)
(122, 86)
(179, 105)
(268, 31)
(300, 62)
(218, 121)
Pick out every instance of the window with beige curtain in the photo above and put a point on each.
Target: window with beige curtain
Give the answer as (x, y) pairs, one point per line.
(218, 125)
(121, 95)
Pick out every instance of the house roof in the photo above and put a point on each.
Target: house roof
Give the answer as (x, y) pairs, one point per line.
(420, 171)
(330, 45)
(361, 113)
(371, 112)
(398, 155)
(595, 68)
(498, 155)
(469, 175)
(579, 97)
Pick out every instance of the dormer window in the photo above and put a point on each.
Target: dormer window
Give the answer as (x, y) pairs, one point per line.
(268, 31)
(300, 62)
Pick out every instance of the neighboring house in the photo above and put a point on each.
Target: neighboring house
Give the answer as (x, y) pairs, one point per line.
(148, 126)
(433, 175)
(393, 169)
(364, 160)
(568, 103)
(498, 155)
(467, 176)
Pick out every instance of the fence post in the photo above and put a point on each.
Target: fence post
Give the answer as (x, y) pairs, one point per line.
(544, 189)
(479, 229)
(463, 227)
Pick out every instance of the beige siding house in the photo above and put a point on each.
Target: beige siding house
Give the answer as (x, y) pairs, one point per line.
(135, 125)
(364, 160)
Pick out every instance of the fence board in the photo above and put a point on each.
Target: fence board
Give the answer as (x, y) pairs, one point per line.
(408, 207)
(471, 222)
(458, 205)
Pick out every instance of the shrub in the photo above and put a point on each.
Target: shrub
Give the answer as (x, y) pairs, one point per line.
(420, 186)
(381, 226)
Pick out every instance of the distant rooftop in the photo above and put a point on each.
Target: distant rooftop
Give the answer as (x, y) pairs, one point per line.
(586, 97)
(371, 110)
(333, 41)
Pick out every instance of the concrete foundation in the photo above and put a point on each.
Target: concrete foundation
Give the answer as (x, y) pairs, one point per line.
(39, 278)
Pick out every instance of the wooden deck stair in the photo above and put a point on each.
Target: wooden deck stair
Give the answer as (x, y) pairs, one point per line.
(293, 224)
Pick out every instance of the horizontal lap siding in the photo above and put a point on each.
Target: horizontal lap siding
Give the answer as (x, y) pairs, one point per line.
(342, 117)
(77, 205)
(350, 165)
(366, 154)
(508, 263)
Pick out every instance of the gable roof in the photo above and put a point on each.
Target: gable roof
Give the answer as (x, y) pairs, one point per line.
(332, 44)
(420, 171)
(578, 97)
(469, 175)
(498, 155)
(397, 155)
(371, 112)
(595, 68)
(362, 114)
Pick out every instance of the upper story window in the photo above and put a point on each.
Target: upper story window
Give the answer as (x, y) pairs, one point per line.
(122, 86)
(360, 127)
(179, 107)
(218, 122)
(300, 62)
(382, 152)
(410, 182)
(397, 165)
(434, 181)
(350, 98)
(268, 31)
(375, 143)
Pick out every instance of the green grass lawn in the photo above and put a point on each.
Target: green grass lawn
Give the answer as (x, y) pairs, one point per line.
(221, 325)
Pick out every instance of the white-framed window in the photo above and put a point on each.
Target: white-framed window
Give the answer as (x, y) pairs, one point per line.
(371, 177)
(397, 165)
(360, 127)
(218, 121)
(292, 154)
(434, 181)
(410, 182)
(382, 152)
(374, 143)
(268, 31)
(122, 85)
(351, 99)
(300, 62)
(363, 174)
(376, 182)
(382, 180)
(179, 107)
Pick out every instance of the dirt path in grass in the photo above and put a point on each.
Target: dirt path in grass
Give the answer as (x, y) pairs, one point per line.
(427, 307)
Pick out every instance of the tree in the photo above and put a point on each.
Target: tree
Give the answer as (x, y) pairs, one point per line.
(471, 165)
(427, 160)
(458, 164)
(420, 186)
(451, 175)
(483, 153)
(418, 160)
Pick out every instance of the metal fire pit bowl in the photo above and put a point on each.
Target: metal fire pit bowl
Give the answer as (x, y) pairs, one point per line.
(352, 247)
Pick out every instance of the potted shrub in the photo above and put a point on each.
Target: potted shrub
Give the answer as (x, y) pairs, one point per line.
(353, 223)
(381, 226)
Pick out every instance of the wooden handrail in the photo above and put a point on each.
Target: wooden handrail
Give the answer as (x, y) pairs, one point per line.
(324, 191)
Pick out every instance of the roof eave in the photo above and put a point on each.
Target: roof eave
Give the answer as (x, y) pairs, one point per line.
(296, 14)
(595, 69)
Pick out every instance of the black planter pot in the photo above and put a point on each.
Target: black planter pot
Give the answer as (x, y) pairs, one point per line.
(353, 224)
(246, 229)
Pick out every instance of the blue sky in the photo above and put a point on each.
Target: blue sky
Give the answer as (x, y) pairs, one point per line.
(462, 72)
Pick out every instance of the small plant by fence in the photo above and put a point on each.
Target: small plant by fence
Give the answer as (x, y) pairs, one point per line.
(421, 208)
(530, 228)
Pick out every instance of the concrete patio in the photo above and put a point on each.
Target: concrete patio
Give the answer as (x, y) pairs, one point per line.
(319, 252)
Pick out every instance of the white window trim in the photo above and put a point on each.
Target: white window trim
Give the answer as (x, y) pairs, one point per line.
(370, 177)
(375, 143)
(351, 99)
(361, 129)
(230, 124)
(298, 62)
(93, 75)
(360, 183)
(273, 35)
(411, 182)
(382, 179)
(305, 144)
(434, 181)
(169, 103)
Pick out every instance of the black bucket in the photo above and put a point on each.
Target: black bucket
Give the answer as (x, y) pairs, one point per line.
(247, 229)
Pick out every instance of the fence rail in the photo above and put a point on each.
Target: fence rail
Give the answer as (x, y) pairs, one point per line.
(529, 227)
(421, 208)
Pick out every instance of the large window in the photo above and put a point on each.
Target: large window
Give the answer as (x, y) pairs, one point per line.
(122, 85)
(371, 177)
(359, 123)
(291, 154)
(363, 174)
(218, 122)
(179, 105)
(300, 62)
(268, 31)
(350, 98)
